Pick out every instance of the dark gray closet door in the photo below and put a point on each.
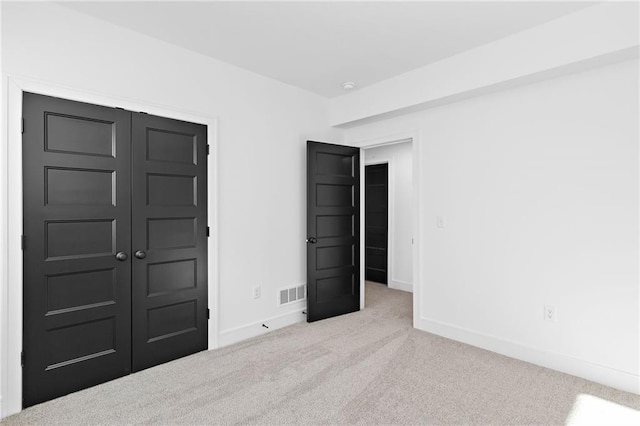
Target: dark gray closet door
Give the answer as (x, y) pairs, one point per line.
(333, 230)
(169, 239)
(376, 222)
(77, 227)
(90, 172)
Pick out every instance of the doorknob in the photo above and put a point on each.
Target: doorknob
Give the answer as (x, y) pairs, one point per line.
(312, 240)
(140, 254)
(121, 256)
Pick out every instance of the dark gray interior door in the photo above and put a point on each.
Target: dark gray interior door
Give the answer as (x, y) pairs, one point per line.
(77, 297)
(169, 243)
(333, 230)
(376, 222)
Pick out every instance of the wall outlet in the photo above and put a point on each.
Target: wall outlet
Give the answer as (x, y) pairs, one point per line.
(441, 222)
(257, 292)
(549, 313)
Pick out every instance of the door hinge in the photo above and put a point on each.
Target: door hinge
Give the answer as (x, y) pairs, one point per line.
(22, 359)
(22, 242)
(22, 130)
(208, 149)
(208, 231)
(208, 313)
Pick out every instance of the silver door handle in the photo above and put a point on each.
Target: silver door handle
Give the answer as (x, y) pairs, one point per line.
(121, 256)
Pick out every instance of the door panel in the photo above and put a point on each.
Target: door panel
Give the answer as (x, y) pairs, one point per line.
(77, 302)
(333, 229)
(376, 222)
(170, 227)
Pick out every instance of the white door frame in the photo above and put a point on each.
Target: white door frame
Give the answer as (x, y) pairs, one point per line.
(412, 137)
(11, 280)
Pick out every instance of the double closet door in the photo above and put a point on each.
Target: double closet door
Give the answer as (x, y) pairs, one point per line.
(115, 243)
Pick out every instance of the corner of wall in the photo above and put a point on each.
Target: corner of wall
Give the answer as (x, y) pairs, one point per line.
(401, 285)
(623, 380)
(260, 328)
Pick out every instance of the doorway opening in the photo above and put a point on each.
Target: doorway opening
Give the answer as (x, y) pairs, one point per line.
(388, 210)
(336, 225)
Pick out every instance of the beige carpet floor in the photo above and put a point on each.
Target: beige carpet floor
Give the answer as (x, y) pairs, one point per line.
(368, 367)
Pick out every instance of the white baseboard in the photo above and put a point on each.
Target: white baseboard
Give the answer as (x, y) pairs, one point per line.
(248, 331)
(400, 285)
(623, 380)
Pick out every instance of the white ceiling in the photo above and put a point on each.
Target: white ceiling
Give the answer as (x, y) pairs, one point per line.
(319, 45)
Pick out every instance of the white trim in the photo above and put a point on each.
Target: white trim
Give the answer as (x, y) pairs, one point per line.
(623, 380)
(392, 139)
(401, 285)
(384, 141)
(11, 323)
(418, 209)
(247, 331)
(213, 270)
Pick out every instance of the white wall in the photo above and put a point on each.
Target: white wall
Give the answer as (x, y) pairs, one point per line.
(540, 188)
(400, 250)
(262, 128)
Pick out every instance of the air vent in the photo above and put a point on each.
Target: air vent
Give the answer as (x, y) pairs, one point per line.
(291, 294)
